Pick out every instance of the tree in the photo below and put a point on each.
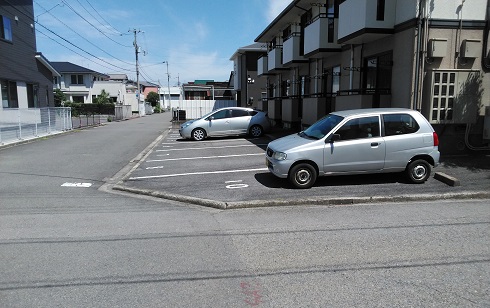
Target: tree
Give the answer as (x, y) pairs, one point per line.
(59, 97)
(102, 98)
(153, 98)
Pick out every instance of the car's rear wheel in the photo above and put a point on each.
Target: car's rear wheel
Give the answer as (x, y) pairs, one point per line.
(198, 134)
(256, 131)
(418, 171)
(303, 175)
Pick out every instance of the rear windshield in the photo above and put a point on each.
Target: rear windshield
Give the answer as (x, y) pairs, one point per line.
(323, 126)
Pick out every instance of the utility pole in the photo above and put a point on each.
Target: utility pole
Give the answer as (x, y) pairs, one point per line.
(168, 84)
(141, 110)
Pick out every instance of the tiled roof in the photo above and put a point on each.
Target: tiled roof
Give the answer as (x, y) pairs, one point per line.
(68, 67)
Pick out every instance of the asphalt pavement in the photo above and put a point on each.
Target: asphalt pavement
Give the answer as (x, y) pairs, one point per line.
(230, 173)
(457, 177)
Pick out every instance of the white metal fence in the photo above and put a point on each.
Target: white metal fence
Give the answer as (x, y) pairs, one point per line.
(22, 124)
(195, 109)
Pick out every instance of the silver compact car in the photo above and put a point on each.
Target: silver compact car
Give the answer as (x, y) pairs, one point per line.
(227, 122)
(357, 142)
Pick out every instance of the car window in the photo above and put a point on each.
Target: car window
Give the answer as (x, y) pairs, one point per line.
(323, 126)
(359, 128)
(399, 124)
(222, 114)
(235, 113)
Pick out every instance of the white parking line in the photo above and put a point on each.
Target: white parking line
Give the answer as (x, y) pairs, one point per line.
(205, 148)
(202, 157)
(195, 173)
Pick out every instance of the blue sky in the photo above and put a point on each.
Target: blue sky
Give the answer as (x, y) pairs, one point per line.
(196, 37)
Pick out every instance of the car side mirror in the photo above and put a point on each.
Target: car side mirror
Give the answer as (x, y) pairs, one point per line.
(210, 118)
(335, 137)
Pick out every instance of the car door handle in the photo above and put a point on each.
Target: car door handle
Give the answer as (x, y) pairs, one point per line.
(374, 144)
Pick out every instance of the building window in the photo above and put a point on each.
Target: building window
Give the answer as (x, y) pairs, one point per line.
(335, 80)
(76, 79)
(443, 95)
(9, 94)
(5, 28)
(380, 10)
(77, 99)
(377, 73)
(32, 96)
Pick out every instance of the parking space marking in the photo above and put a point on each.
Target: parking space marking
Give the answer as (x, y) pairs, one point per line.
(235, 184)
(195, 173)
(83, 185)
(203, 157)
(157, 167)
(206, 148)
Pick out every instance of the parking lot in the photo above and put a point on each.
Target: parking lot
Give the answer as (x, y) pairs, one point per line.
(232, 172)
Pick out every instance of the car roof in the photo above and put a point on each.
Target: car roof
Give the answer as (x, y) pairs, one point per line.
(241, 108)
(348, 113)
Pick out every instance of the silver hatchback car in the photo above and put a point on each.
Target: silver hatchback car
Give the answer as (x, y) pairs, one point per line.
(227, 122)
(357, 142)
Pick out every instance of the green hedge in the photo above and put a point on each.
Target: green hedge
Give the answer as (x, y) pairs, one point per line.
(79, 109)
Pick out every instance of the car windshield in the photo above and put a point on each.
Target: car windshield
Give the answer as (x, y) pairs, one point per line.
(322, 127)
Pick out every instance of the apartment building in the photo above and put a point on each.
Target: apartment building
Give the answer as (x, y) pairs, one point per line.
(432, 56)
(26, 76)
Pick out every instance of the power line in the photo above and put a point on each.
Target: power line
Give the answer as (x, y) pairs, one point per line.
(84, 37)
(74, 51)
(74, 11)
(79, 47)
(95, 18)
(119, 32)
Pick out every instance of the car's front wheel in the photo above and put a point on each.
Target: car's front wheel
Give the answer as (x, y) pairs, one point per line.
(256, 131)
(198, 134)
(418, 171)
(303, 175)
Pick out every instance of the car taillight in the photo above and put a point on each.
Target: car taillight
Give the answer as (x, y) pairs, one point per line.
(436, 139)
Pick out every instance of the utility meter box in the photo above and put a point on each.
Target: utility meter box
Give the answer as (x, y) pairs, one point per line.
(471, 48)
(437, 48)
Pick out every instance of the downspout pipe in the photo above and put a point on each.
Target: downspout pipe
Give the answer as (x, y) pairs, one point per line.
(417, 58)
(485, 62)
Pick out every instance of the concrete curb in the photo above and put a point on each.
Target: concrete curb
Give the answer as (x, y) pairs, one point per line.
(449, 180)
(308, 201)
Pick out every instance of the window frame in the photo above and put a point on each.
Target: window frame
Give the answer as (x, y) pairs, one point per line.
(6, 29)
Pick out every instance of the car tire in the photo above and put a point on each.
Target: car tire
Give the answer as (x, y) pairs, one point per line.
(418, 171)
(303, 175)
(256, 131)
(198, 134)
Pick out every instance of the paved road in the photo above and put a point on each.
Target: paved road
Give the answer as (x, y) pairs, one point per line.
(85, 246)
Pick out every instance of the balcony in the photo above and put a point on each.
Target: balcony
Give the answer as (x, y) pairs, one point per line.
(291, 51)
(321, 37)
(262, 66)
(363, 21)
(275, 59)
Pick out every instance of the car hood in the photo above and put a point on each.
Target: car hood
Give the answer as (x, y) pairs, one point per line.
(290, 143)
(189, 122)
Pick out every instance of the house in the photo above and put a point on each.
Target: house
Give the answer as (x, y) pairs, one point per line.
(173, 100)
(432, 56)
(250, 90)
(208, 90)
(77, 82)
(26, 76)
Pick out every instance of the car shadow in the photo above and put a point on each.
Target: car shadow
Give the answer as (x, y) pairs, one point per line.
(269, 180)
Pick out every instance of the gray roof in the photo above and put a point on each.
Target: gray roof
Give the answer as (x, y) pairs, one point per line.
(68, 67)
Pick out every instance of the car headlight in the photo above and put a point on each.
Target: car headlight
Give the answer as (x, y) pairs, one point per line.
(279, 156)
(185, 125)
